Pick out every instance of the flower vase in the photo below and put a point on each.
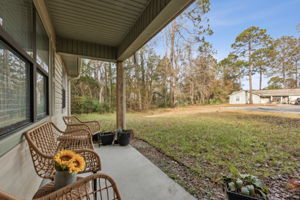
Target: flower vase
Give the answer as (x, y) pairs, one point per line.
(63, 178)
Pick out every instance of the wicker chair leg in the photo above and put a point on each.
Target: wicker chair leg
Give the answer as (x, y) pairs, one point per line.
(95, 187)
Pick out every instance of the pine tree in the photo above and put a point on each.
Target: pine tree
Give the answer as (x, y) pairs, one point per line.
(246, 43)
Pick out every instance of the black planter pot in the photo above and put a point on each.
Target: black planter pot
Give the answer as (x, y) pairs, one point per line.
(96, 137)
(124, 137)
(237, 196)
(107, 138)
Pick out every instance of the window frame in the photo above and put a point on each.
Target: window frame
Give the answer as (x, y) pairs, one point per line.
(46, 87)
(10, 128)
(34, 68)
(63, 92)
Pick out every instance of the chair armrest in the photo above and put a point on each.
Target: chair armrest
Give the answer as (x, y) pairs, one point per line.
(74, 136)
(78, 130)
(75, 140)
(92, 160)
(107, 189)
(74, 127)
(94, 126)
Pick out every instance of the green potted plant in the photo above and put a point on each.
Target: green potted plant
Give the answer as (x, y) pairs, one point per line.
(123, 136)
(244, 186)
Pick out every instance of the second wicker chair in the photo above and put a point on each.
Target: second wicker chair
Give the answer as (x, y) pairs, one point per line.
(72, 122)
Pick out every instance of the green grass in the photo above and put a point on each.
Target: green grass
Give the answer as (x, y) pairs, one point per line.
(261, 144)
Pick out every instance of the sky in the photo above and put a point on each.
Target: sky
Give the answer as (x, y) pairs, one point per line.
(228, 18)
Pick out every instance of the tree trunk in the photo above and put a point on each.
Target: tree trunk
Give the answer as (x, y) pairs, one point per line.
(296, 69)
(137, 82)
(172, 52)
(106, 83)
(143, 93)
(101, 95)
(260, 78)
(98, 76)
(284, 77)
(250, 74)
(165, 81)
(111, 88)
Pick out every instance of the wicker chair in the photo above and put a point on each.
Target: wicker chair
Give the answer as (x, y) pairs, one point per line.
(46, 140)
(106, 190)
(72, 122)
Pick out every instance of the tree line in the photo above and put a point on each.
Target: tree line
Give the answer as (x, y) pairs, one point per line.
(178, 67)
(254, 51)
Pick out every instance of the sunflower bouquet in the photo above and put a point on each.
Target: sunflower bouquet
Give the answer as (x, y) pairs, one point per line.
(67, 160)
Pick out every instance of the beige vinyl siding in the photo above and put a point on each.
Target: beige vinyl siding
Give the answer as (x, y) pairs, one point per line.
(60, 81)
(17, 173)
(16, 165)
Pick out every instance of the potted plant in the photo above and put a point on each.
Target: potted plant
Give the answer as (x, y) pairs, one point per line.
(67, 165)
(123, 136)
(107, 138)
(244, 186)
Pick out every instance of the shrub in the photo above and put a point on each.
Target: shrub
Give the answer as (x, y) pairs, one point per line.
(86, 104)
(213, 101)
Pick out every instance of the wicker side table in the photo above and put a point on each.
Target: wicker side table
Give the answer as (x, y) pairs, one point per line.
(49, 188)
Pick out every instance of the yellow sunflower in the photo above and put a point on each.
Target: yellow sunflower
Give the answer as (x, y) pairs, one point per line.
(77, 164)
(63, 157)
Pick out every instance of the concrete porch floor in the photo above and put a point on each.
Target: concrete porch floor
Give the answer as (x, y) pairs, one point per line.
(138, 178)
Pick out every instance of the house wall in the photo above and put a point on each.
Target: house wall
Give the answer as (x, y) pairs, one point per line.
(265, 100)
(16, 164)
(17, 174)
(292, 99)
(241, 96)
(256, 99)
(60, 81)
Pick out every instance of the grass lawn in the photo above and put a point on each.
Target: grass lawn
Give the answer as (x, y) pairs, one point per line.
(209, 140)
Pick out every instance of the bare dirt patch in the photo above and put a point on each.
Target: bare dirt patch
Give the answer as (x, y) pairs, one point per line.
(188, 110)
(200, 109)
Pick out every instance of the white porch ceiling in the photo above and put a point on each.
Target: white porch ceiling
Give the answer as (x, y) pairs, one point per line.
(103, 22)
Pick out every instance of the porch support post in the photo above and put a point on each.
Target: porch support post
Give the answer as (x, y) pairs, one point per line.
(121, 96)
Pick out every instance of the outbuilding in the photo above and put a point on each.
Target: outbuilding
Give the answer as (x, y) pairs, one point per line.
(281, 96)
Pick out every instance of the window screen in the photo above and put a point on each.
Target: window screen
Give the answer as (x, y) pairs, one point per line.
(16, 20)
(14, 88)
(42, 45)
(41, 95)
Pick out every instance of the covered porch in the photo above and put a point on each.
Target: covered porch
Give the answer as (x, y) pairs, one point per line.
(106, 30)
(102, 30)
